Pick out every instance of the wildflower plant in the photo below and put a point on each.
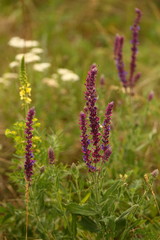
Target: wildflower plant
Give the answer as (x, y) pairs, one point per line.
(128, 81)
(94, 151)
(68, 202)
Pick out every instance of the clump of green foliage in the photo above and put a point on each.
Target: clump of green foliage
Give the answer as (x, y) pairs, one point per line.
(68, 202)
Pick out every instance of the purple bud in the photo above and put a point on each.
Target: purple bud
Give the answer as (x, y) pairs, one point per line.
(150, 96)
(102, 80)
(155, 173)
(51, 155)
(42, 169)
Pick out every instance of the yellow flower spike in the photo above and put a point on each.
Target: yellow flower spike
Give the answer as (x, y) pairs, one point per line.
(28, 90)
(25, 87)
(27, 100)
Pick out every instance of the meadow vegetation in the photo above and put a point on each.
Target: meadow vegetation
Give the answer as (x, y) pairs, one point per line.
(80, 140)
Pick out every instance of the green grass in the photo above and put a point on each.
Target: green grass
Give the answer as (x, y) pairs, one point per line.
(73, 35)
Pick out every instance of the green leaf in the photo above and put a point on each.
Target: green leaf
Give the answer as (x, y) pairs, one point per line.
(120, 226)
(86, 198)
(112, 189)
(109, 223)
(74, 225)
(108, 206)
(84, 210)
(87, 224)
(127, 212)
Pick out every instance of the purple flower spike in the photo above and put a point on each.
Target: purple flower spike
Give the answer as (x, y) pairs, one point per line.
(91, 98)
(118, 55)
(51, 155)
(135, 32)
(118, 46)
(85, 142)
(95, 147)
(29, 162)
(106, 126)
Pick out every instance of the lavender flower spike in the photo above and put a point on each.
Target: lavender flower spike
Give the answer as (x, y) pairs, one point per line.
(51, 155)
(118, 46)
(85, 142)
(29, 162)
(106, 126)
(91, 98)
(135, 31)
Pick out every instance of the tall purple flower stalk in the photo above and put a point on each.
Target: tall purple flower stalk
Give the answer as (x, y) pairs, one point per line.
(106, 126)
(135, 42)
(85, 142)
(29, 162)
(91, 99)
(118, 47)
(91, 137)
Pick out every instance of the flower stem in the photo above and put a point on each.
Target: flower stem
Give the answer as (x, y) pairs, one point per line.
(27, 205)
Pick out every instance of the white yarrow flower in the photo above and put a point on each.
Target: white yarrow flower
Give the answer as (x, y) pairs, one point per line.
(50, 82)
(10, 75)
(40, 67)
(63, 71)
(13, 64)
(31, 43)
(18, 42)
(4, 81)
(29, 57)
(37, 50)
(67, 75)
(70, 77)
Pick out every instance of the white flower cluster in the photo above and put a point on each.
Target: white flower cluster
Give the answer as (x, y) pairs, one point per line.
(31, 56)
(18, 42)
(6, 77)
(63, 74)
